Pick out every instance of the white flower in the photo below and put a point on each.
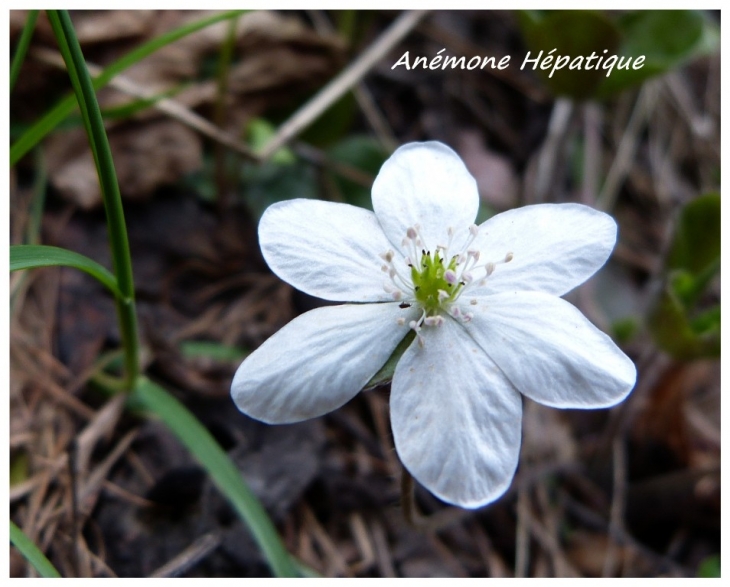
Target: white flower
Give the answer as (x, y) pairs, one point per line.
(483, 302)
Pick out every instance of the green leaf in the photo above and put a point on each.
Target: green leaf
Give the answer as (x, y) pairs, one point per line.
(696, 244)
(32, 553)
(668, 39)
(360, 152)
(625, 329)
(710, 567)
(333, 124)
(572, 33)
(692, 263)
(385, 375)
(32, 256)
(707, 322)
(211, 350)
(674, 333)
(259, 132)
(224, 473)
(271, 182)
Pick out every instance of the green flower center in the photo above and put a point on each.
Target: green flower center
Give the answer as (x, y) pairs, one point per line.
(434, 282)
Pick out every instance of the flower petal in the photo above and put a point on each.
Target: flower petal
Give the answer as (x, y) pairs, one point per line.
(550, 351)
(326, 249)
(317, 362)
(426, 184)
(456, 418)
(555, 247)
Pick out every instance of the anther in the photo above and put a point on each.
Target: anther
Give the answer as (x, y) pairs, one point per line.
(508, 257)
(434, 321)
(450, 277)
(411, 233)
(474, 229)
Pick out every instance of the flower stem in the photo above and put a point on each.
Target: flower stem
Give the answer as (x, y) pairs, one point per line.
(94, 124)
(408, 500)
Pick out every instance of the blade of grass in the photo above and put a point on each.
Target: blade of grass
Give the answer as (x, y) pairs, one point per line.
(222, 471)
(55, 116)
(220, 153)
(73, 74)
(32, 256)
(32, 553)
(119, 242)
(22, 47)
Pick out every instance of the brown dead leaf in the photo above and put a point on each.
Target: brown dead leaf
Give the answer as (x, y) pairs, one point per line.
(587, 551)
(146, 157)
(546, 435)
(277, 57)
(107, 26)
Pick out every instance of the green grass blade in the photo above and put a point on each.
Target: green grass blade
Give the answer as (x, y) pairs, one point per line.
(22, 47)
(73, 73)
(118, 240)
(222, 471)
(56, 115)
(32, 553)
(32, 256)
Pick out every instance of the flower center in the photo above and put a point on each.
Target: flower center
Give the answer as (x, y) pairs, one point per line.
(436, 279)
(434, 282)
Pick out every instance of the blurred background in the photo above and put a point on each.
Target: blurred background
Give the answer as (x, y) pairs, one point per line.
(200, 135)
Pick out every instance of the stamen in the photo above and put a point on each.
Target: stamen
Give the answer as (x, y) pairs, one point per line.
(434, 321)
(416, 327)
(435, 278)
